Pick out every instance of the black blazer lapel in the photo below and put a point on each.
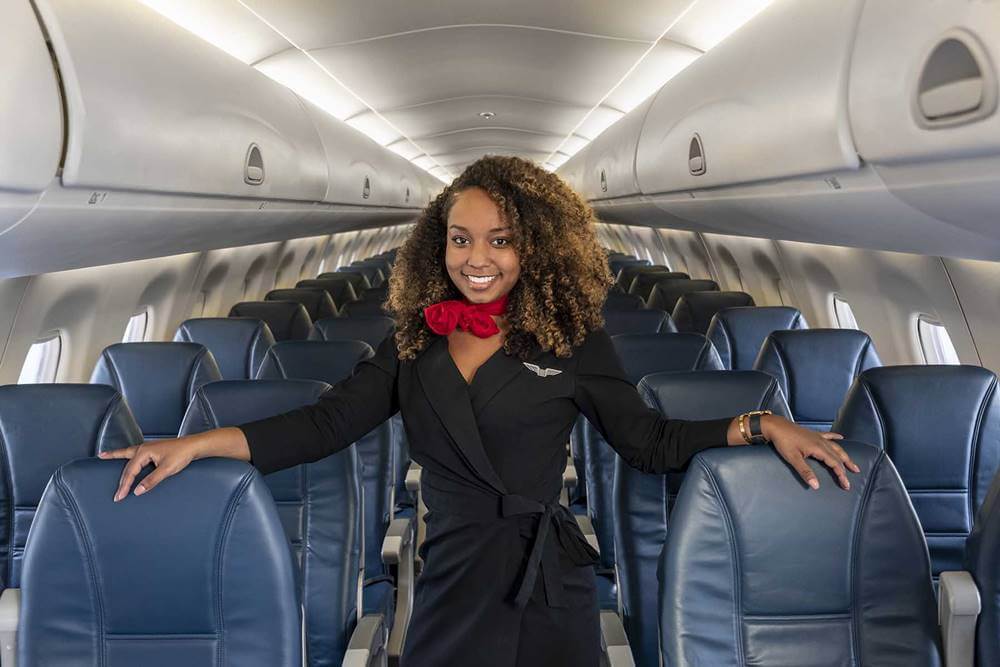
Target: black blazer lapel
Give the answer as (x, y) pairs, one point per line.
(448, 394)
(494, 375)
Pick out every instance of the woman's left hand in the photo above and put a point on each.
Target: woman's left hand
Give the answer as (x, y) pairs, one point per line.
(795, 444)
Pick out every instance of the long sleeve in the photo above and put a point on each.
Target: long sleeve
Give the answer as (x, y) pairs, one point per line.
(342, 415)
(642, 436)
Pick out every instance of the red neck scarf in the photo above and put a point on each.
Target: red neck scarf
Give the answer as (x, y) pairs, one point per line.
(444, 316)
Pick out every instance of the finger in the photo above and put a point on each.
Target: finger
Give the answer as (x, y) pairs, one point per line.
(132, 468)
(827, 457)
(844, 457)
(832, 436)
(805, 472)
(152, 479)
(123, 453)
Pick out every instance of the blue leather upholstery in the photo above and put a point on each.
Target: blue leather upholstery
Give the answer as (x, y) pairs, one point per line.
(371, 330)
(637, 321)
(238, 344)
(286, 320)
(43, 426)
(211, 586)
(982, 560)
(816, 368)
(642, 502)
(627, 271)
(666, 292)
(317, 301)
(941, 427)
(365, 308)
(319, 505)
(695, 310)
(371, 272)
(618, 262)
(761, 570)
(157, 381)
(644, 280)
(738, 333)
(620, 301)
(356, 278)
(341, 288)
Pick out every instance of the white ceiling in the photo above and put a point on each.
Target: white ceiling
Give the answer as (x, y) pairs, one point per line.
(416, 75)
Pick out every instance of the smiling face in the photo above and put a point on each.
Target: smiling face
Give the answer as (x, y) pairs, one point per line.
(479, 251)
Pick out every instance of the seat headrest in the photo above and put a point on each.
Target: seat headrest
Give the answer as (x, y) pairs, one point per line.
(358, 279)
(157, 381)
(371, 330)
(816, 368)
(620, 301)
(366, 308)
(341, 289)
(694, 310)
(637, 321)
(644, 279)
(238, 344)
(754, 557)
(217, 566)
(666, 292)
(738, 333)
(232, 402)
(982, 557)
(618, 262)
(325, 361)
(642, 354)
(700, 395)
(317, 301)
(371, 272)
(287, 320)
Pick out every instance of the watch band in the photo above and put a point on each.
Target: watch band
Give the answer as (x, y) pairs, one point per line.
(754, 426)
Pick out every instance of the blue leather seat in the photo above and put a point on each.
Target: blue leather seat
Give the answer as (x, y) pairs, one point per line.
(364, 308)
(761, 570)
(371, 272)
(982, 560)
(738, 333)
(816, 368)
(626, 271)
(644, 280)
(317, 301)
(238, 344)
(286, 320)
(642, 502)
(157, 381)
(639, 354)
(637, 321)
(695, 310)
(319, 504)
(358, 280)
(341, 289)
(620, 301)
(371, 330)
(667, 292)
(617, 262)
(43, 426)
(196, 574)
(941, 427)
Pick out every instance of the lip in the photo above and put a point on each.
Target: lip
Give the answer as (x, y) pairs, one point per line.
(479, 287)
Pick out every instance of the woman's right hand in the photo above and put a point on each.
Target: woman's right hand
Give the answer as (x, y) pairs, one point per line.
(172, 456)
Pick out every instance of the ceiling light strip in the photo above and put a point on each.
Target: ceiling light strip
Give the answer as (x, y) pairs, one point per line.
(631, 69)
(340, 83)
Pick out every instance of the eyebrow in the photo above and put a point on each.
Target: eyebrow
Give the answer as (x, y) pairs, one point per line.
(495, 229)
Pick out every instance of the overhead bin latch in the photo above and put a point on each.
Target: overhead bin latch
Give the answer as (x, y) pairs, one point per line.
(366, 189)
(604, 181)
(253, 168)
(957, 84)
(696, 156)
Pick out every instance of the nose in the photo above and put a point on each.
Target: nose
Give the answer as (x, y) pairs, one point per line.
(479, 255)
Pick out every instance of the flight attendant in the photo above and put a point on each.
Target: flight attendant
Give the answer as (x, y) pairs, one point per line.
(499, 345)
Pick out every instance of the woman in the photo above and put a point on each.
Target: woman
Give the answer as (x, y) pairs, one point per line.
(497, 298)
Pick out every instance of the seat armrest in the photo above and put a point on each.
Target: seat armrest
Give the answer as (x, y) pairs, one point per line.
(958, 609)
(10, 618)
(365, 645)
(587, 528)
(614, 641)
(398, 552)
(413, 477)
(569, 481)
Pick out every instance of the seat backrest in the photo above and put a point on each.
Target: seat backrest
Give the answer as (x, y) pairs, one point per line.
(642, 502)
(365, 308)
(620, 301)
(941, 427)
(738, 333)
(43, 426)
(357, 279)
(319, 504)
(372, 272)
(371, 329)
(982, 560)
(238, 344)
(157, 381)
(637, 322)
(643, 281)
(197, 573)
(816, 368)
(695, 310)
(666, 292)
(618, 262)
(760, 569)
(286, 320)
(316, 300)
(340, 287)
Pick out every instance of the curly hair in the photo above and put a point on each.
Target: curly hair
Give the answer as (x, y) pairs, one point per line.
(564, 276)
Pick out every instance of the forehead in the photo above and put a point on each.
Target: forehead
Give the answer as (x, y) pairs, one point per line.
(473, 209)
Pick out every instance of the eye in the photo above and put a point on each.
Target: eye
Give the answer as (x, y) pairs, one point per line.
(459, 240)
(501, 242)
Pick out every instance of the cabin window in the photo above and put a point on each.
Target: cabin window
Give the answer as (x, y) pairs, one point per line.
(42, 361)
(935, 342)
(844, 314)
(322, 266)
(135, 330)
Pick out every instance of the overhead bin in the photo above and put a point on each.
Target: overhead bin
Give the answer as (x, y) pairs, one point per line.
(608, 168)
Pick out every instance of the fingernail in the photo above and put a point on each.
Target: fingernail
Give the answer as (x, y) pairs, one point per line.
(847, 485)
(118, 496)
(814, 484)
(139, 490)
(102, 455)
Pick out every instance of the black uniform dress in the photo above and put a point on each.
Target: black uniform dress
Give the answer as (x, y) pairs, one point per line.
(508, 578)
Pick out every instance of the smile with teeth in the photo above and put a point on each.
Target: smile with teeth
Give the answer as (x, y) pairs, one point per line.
(480, 280)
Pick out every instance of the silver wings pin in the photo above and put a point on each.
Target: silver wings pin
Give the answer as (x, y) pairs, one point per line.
(542, 372)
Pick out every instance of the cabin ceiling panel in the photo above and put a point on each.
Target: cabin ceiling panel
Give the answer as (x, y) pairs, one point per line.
(467, 139)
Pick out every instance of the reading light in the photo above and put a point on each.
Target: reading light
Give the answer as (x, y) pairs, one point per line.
(487, 115)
